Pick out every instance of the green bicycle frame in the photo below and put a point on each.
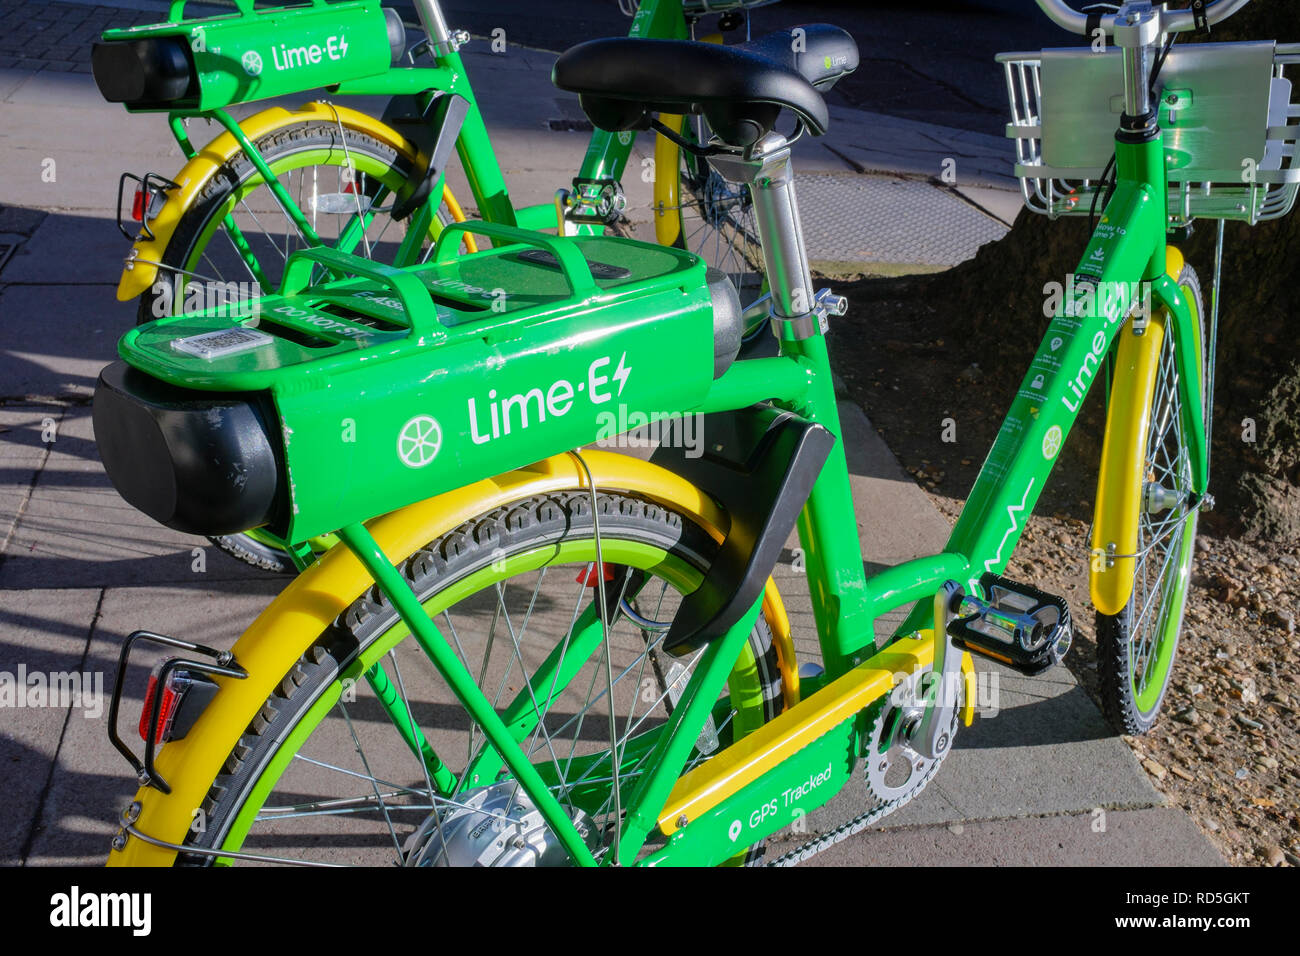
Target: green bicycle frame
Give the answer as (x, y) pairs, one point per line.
(1125, 255)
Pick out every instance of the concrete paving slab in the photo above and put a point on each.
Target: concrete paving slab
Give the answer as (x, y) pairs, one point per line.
(41, 633)
(77, 528)
(91, 783)
(10, 80)
(22, 453)
(884, 142)
(1139, 838)
(47, 258)
(54, 339)
(1046, 749)
(49, 158)
(871, 220)
(1004, 204)
(57, 90)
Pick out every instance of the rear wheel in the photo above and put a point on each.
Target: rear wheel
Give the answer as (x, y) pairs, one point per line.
(1136, 647)
(324, 773)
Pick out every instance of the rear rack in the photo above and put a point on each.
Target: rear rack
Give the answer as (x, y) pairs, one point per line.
(1228, 110)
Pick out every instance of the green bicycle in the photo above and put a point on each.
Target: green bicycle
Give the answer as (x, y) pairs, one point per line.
(580, 656)
(221, 230)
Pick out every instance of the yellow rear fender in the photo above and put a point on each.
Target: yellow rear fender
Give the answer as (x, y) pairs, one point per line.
(298, 616)
(141, 272)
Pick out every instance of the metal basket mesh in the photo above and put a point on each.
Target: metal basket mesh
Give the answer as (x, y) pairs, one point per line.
(1203, 105)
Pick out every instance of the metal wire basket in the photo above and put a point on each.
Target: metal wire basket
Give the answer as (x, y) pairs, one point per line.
(1226, 109)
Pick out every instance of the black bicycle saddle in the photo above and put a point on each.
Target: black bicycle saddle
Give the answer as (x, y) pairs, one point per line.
(740, 89)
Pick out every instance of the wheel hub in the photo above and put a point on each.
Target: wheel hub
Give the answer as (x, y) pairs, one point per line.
(497, 825)
(1158, 498)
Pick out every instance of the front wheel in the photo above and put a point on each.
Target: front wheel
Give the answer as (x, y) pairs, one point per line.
(363, 754)
(1136, 647)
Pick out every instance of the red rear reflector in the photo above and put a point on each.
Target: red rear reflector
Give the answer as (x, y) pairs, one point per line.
(137, 205)
(171, 697)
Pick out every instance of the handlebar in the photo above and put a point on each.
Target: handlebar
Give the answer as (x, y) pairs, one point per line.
(1171, 21)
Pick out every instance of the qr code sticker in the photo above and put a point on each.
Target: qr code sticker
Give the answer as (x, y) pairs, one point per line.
(215, 345)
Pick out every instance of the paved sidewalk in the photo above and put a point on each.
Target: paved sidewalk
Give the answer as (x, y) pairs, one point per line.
(79, 569)
(57, 36)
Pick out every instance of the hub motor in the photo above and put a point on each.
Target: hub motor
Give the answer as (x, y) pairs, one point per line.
(498, 825)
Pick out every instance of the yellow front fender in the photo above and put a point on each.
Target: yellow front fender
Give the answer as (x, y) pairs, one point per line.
(141, 272)
(1123, 459)
(296, 618)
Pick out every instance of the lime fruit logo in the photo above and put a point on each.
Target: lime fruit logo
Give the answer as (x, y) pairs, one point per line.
(252, 63)
(419, 441)
(1052, 442)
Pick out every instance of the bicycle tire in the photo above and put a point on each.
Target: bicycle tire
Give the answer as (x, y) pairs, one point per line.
(482, 555)
(1137, 646)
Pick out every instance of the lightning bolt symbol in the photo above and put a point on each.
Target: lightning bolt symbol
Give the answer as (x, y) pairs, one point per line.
(1015, 525)
(621, 373)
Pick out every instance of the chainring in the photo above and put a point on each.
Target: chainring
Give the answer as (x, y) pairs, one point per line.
(895, 771)
(885, 792)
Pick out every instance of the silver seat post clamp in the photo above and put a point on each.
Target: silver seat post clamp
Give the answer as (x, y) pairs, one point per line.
(815, 321)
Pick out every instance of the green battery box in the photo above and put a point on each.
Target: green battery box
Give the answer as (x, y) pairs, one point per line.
(254, 54)
(333, 402)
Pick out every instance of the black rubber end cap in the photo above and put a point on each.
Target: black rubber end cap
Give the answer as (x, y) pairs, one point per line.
(145, 71)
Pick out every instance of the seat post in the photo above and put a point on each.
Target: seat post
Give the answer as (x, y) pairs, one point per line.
(767, 169)
(434, 23)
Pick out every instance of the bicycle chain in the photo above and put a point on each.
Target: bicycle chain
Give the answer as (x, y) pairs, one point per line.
(849, 827)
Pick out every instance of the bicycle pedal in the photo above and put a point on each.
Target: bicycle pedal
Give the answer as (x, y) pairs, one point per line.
(1027, 629)
(595, 201)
